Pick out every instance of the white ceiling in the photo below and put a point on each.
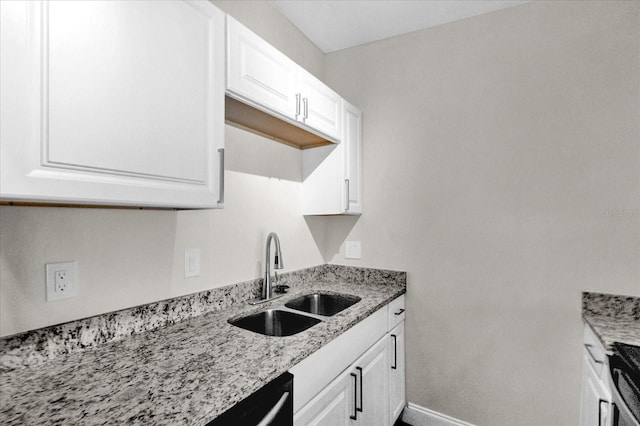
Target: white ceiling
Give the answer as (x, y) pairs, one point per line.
(337, 24)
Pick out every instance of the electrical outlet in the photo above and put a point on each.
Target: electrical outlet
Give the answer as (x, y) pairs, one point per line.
(191, 263)
(353, 250)
(60, 280)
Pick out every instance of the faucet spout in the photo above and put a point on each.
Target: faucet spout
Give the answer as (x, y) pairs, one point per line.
(277, 264)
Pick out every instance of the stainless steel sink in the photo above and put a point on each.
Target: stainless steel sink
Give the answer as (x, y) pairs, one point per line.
(274, 322)
(322, 304)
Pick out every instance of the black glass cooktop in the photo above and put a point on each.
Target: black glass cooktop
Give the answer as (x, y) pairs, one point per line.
(624, 365)
(631, 356)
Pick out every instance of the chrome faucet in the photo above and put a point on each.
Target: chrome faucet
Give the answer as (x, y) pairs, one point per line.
(277, 264)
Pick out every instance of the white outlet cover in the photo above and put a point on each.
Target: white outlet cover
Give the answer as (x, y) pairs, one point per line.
(70, 269)
(191, 263)
(354, 250)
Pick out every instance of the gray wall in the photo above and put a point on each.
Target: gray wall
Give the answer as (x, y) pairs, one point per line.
(495, 149)
(129, 257)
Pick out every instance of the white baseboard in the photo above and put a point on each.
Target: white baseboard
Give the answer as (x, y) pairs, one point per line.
(416, 415)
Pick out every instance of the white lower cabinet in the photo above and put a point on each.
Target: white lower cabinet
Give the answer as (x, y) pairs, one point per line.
(358, 378)
(334, 406)
(373, 386)
(595, 397)
(397, 396)
(357, 396)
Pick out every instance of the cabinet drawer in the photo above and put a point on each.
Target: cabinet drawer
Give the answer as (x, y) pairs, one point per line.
(396, 312)
(316, 371)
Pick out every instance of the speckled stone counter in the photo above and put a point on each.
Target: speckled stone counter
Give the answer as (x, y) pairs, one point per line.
(183, 372)
(613, 318)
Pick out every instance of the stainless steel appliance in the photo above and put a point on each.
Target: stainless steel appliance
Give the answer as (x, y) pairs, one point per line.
(624, 368)
(270, 405)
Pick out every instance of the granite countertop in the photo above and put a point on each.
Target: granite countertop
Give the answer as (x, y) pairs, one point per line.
(613, 318)
(185, 373)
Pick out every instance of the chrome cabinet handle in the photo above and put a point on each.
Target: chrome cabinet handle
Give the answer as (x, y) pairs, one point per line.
(588, 348)
(399, 312)
(305, 104)
(354, 416)
(274, 411)
(395, 352)
(221, 177)
(297, 105)
(346, 182)
(361, 407)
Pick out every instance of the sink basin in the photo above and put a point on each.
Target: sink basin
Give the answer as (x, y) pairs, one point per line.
(274, 322)
(322, 304)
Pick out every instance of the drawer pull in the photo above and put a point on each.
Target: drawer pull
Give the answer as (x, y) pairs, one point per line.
(361, 407)
(354, 416)
(399, 312)
(596, 360)
(346, 182)
(395, 352)
(305, 109)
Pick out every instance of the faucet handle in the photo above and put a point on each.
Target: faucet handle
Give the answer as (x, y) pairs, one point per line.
(280, 288)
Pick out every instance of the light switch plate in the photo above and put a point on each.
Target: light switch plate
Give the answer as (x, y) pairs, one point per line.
(354, 250)
(191, 263)
(61, 280)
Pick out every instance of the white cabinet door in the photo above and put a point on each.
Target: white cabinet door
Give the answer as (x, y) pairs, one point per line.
(595, 398)
(118, 102)
(352, 147)
(334, 406)
(260, 74)
(323, 184)
(332, 175)
(373, 385)
(397, 399)
(321, 106)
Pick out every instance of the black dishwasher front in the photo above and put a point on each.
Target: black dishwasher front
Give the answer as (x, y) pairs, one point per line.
(272, 405)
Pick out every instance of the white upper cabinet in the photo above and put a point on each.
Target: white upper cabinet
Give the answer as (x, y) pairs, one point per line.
(260, 75)
(113, 102)
(321, 107)
(332, 175)
(352, 136)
